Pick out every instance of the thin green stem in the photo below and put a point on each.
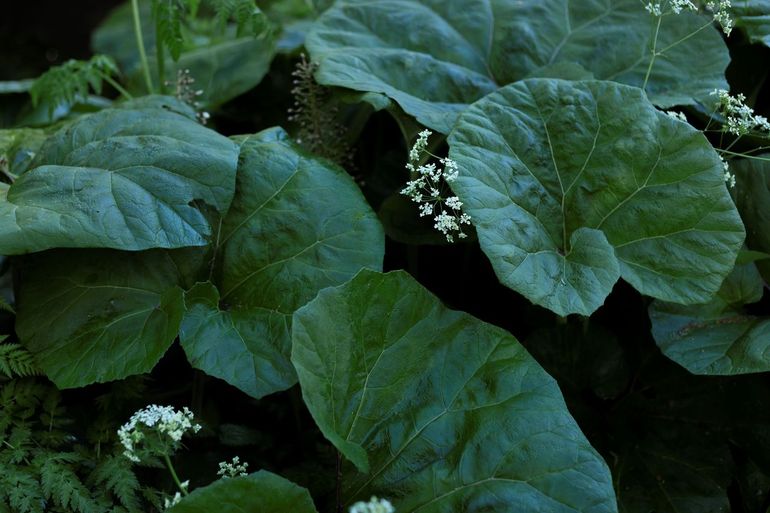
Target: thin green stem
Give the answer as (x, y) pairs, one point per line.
(125, 94)
(173, 475)
(753, 157)
(140, 46)
(654, 52)
(685, 38)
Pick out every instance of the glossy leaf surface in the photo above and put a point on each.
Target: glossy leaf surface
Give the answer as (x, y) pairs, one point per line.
(297, 224)
(125, 178)
(438, 410)
(435, 57)
(574, 184)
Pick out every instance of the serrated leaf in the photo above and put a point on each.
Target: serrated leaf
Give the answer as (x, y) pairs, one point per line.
(572, 184)
(261, 492)
(122, 178)
(438, 410)
(434, 57)
(717, 337)
(98, 315)
(297, 224)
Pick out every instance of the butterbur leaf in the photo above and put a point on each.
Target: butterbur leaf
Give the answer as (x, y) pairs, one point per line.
(127, 179)
(261, 492)
(98, 315)
(572, 184)
(433, 57)
(248, 348)
(297, 224)
(753, 18)
(438, 410)
(752, 196)
(717, 337)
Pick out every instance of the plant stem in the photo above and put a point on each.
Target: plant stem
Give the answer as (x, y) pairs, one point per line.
(125, 94)
(654, 53)
(173, 474)
(160, 57)
(140, 46)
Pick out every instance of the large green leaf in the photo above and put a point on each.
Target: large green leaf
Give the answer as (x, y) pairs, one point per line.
(752, 196)
(99, 315)
(261, 492)
(718, 337)
(438, 410)
(435, 56)
(753, 18)
(572, 184)
(125, 178)
(248, 348)
(297, 224)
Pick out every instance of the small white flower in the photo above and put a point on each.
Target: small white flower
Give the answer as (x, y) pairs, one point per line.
(173, 502)
(740, 118)
(374, 505)
(232, 469)
(654, 8)
(676, 115)
(728, 175)
(170, 424)
(425, 189)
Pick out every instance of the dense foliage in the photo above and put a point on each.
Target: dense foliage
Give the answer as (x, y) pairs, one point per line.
(393, 255)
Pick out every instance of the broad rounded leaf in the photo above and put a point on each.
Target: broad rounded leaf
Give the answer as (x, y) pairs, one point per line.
(571, 183)
(438, 410)
(753, 18)
(261, 492)
(718, 337)
(248, 348)
(435, 56)
(297, 224)
(125, 178)
(18, 147)
(98, 315)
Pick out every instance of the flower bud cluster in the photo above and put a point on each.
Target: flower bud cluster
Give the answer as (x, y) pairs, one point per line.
(155, 430)
(374, 505)
(426, 189)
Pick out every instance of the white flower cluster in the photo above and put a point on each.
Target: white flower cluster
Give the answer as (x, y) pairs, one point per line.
(654, 8)
(677, 115)
(374, 505)
(740, 117)
(232, 469)
(729, 177)
(720, 9)
(167, 422)
(426, 190)
(168, 503)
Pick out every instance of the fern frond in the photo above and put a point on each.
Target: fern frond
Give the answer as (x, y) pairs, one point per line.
(22, 491)
(115, 475)
(72, 80)
(169, 15)
(62, 486)
(17, 361)
(245, 13)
